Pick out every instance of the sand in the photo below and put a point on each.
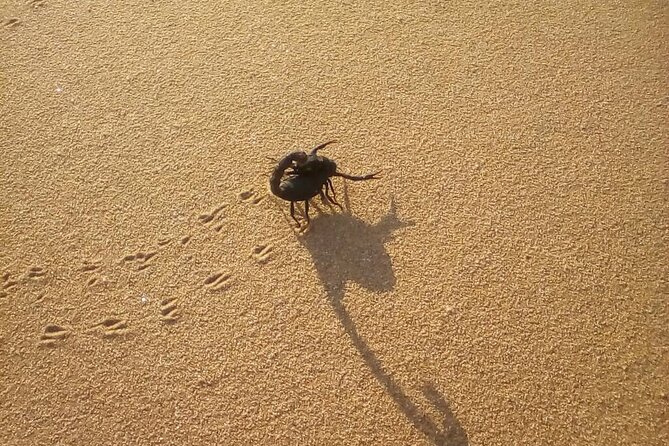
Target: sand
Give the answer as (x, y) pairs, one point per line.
(504, 283)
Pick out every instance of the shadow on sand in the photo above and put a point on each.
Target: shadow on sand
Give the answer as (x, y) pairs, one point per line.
(345, 248)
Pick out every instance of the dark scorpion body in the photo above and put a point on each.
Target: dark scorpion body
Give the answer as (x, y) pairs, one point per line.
(309, 175)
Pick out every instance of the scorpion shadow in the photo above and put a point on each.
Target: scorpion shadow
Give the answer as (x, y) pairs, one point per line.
(345, 248)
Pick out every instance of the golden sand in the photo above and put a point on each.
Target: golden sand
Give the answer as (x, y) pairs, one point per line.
(504, 283)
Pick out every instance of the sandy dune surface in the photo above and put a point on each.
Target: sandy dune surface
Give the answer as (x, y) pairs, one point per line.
(503, 283)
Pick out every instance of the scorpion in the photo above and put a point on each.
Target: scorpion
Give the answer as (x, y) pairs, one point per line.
(309, 175)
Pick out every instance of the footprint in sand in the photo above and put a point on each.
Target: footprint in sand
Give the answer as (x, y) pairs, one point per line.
(169, 312)
(36, 3)
(95, 279)
(36, 272)
(218, 281)
(7, 284)
(112, 327)
(262, 253)
(53, 335)
(251, 196)
(11, 23)
(89, 265)
(213, 219)
(139, 261)
(164, 241)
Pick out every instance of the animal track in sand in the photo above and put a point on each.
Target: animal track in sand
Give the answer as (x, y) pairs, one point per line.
(169, 311)
(36, 3)
(251, 196)
(164, 241)
(213, 219)
(218, 281)
(184, 240)
(112, 327)
(7, 284)
(262, 253)
(36, 272)
(138, 261)
(96, 280)
(11, 23)
(90, 266)
(52, 335)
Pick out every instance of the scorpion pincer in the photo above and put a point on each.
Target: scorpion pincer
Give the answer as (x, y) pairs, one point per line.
(310, 175)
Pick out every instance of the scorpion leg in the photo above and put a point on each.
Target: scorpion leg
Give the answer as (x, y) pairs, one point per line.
(333, 198)
(319, 147)
(292, 213)
(322, 195)
(306, 210)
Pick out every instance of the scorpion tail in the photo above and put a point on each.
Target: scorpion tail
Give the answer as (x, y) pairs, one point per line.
(319, 147)
(371, 176)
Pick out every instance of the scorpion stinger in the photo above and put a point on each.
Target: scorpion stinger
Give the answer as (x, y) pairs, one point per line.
(371, 176)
